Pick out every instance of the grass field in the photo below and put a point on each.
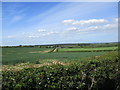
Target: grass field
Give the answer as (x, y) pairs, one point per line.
(88, 49)
(21, 55)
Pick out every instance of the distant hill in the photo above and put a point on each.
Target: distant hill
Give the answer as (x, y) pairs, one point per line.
(69, 45)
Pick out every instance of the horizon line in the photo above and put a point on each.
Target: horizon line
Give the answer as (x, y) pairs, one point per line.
(59, 44)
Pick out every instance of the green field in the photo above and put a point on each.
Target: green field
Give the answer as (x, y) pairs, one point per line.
(88, 49)
(32, 54)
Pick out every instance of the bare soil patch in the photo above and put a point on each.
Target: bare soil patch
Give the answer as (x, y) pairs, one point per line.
(46, 51)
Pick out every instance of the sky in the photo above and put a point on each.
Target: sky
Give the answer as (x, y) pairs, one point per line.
(38, 23)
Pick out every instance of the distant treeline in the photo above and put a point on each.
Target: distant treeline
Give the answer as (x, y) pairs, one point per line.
(78, 45)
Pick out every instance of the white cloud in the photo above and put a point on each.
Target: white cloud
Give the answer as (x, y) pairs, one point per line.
(110, 27)
(42, 35)
(10, 36)
(84, 22)
(41, 30)
(33, 36)
(93, 28)
(76, 29)
(50, 33)
(106, 27)
(72, 29)
(67, 22)
(91, 25)
(116, 19)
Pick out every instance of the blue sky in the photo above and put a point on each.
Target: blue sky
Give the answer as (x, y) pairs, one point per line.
(31, 23)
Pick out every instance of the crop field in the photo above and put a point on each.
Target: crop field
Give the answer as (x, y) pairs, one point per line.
(88, 49)
(24, 54)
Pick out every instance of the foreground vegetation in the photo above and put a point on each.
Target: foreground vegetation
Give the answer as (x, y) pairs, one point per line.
(93, 73)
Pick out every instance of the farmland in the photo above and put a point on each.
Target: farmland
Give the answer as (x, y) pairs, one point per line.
(27, 54)
(79, 68)
(88, 49)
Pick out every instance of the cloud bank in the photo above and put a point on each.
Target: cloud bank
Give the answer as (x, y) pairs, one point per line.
(84, 22)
